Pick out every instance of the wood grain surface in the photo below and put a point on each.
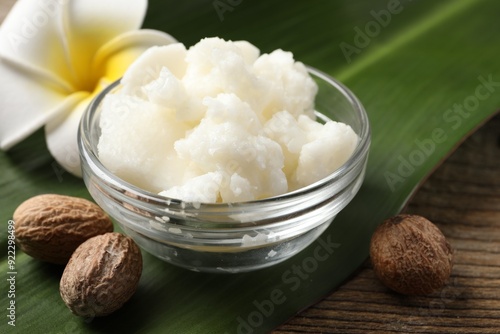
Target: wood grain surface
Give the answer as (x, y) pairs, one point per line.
(462, 197)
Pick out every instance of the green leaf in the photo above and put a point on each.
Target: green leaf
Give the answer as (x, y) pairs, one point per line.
(427, 73)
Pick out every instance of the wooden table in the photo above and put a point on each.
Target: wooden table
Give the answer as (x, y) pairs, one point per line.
(463, 198)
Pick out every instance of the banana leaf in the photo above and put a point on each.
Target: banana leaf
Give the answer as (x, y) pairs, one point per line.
(427, 72)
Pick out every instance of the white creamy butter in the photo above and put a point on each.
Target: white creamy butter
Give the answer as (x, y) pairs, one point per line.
(219, 123)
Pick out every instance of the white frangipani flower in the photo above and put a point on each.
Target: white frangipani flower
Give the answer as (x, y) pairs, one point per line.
(55, 56)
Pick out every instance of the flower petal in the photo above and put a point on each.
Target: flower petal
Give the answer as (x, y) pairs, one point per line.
(61, 37)
(113, 58)
(90, 24)
(111, 61)
(31, 35)
(27, 103)
(61, 133)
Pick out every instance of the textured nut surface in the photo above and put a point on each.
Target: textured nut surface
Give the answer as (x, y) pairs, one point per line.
(50, 227)
(101, 275)
(410, 255)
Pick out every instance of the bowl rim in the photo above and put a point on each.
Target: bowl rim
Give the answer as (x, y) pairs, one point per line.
(361, 150)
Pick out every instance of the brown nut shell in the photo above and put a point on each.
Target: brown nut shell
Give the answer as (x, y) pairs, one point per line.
(102, 274)
(50, 227)
(410, 255)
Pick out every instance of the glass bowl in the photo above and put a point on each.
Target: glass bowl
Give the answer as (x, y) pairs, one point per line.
(230, 237)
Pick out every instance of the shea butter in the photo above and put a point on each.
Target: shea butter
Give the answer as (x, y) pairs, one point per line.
(219, 122)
